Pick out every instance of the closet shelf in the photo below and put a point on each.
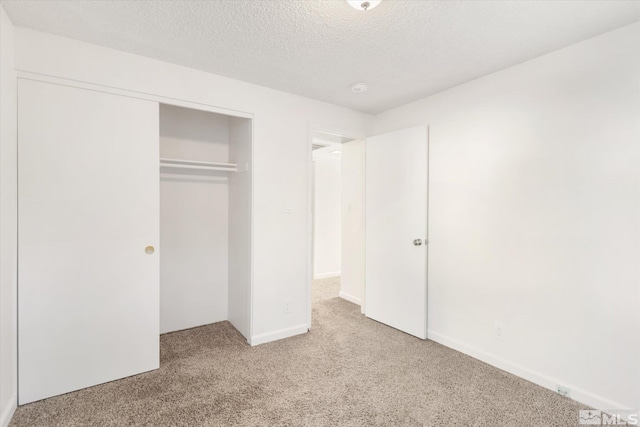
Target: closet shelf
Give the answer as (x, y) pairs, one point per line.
(190, 164)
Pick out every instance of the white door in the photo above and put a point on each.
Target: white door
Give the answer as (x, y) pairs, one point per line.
(396, 230)
(88, 206)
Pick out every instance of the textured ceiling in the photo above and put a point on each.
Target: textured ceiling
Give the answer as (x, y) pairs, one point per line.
(404, 50)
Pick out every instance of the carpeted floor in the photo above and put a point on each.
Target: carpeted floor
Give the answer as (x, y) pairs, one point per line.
(347, 371)
(323, 289)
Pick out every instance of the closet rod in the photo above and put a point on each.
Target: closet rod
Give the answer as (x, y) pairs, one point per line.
(198, 163)
(231, 168)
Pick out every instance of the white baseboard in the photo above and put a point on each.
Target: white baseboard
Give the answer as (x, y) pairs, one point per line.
(350, 298)
(576, 393)
(326, 275)
(7, 413)
(278, 335)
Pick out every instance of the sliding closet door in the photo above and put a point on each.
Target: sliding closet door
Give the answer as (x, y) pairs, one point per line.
(88, 224)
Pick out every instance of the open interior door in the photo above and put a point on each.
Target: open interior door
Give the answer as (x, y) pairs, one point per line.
(396, 229)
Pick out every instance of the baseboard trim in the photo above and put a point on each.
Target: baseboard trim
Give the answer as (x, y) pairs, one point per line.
(7, 413)
(326, 275)
(278, 335)
(350, 298)
(576, 393)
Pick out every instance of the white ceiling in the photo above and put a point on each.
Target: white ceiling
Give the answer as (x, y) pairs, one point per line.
(404, 50)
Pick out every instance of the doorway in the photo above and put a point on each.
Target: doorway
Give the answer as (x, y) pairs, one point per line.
(337, 218)
(383, 225)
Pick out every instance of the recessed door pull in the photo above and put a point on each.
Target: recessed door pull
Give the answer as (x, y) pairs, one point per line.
(417, 242)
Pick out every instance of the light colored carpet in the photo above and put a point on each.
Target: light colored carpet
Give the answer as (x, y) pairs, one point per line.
(347, 371)
(323, 289)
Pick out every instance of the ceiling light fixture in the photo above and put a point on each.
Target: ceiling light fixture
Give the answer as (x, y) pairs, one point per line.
(359, 87)
(363, 5)
(336, 152)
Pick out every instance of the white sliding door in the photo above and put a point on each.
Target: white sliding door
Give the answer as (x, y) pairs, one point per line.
(396, 230)
(88, 208)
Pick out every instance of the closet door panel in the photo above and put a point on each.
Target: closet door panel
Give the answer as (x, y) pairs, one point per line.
(88, 207)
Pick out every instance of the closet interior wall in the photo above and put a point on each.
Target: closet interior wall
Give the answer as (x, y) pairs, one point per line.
(200, 243)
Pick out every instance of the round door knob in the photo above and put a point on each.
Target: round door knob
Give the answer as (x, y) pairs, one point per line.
(417, 242)
(149, 250)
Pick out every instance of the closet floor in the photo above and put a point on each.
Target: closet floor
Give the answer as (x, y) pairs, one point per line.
(347, 371)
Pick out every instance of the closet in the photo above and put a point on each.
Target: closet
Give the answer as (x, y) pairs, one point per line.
(134, 219)
(205, 193)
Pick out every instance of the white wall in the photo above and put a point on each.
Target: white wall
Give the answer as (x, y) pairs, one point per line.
(8, 222)
(194, 220)
(327, 214)
(353, 221)
(280, 171)
(534, 217)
